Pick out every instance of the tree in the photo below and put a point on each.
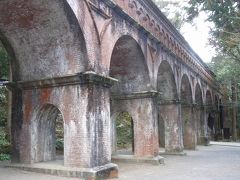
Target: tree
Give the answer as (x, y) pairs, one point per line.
(225, 14)
(173, 10)
(228, 73)
(225, 37)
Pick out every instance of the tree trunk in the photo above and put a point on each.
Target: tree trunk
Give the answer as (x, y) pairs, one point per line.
(234, 107)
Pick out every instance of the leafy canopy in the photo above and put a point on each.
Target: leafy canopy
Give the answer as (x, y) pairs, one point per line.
(174, 11)
(225, 14)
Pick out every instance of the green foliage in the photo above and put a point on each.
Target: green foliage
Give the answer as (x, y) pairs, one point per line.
(3, 107)
(4, 63)
(3, 141)
(124, 128)
(59, 144)
(4, 145)
(225, 14)
(173, 10)
(225, 37)
(4, 157)
(59, 134)
(225, 69)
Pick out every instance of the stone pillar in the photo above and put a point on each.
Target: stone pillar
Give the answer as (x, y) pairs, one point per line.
(170, 113)
(188, 122)
(87, 139)
(84, 101)
(142, 107)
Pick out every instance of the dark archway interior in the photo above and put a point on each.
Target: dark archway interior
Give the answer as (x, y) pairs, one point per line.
(186, 100)
(128, 65)
(166, 86)
(45, 128)
(208, 98)
(198, 95)
(186, 92)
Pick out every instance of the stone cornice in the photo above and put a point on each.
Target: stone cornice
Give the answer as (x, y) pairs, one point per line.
(162, 102)
(75, 79)
(135, 95)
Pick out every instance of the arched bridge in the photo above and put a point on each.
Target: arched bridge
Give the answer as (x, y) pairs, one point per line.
(90, 60)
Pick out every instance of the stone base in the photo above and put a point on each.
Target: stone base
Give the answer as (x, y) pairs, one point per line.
(173, 153)
(133, 159)
(107, 171)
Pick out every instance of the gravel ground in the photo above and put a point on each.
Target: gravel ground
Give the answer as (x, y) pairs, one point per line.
(207, 163)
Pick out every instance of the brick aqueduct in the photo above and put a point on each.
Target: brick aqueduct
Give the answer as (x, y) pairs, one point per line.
(90, 60)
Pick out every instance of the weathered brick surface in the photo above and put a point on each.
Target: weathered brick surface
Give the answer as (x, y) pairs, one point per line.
(145, 126)
(129, 40)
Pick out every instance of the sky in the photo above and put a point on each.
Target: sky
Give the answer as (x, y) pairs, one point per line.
(197, 35)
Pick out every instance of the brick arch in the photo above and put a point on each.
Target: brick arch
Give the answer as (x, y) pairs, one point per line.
(129, 66)
(109, 41)
(186, 94)
(166, 83)
(208, 98)
(13, 62)
(45, 36)
(88, 24)
(198, 94)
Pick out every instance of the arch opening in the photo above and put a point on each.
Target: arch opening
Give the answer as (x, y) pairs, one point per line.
(188, 122)
(166, 86)
(128, 66)
(186, 91)
(199, 114)
(125, 133)
(47, 134)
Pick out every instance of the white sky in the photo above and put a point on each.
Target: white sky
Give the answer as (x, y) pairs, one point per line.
(196, 36)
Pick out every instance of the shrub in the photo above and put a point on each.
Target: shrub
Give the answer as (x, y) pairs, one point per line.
(4, 145)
